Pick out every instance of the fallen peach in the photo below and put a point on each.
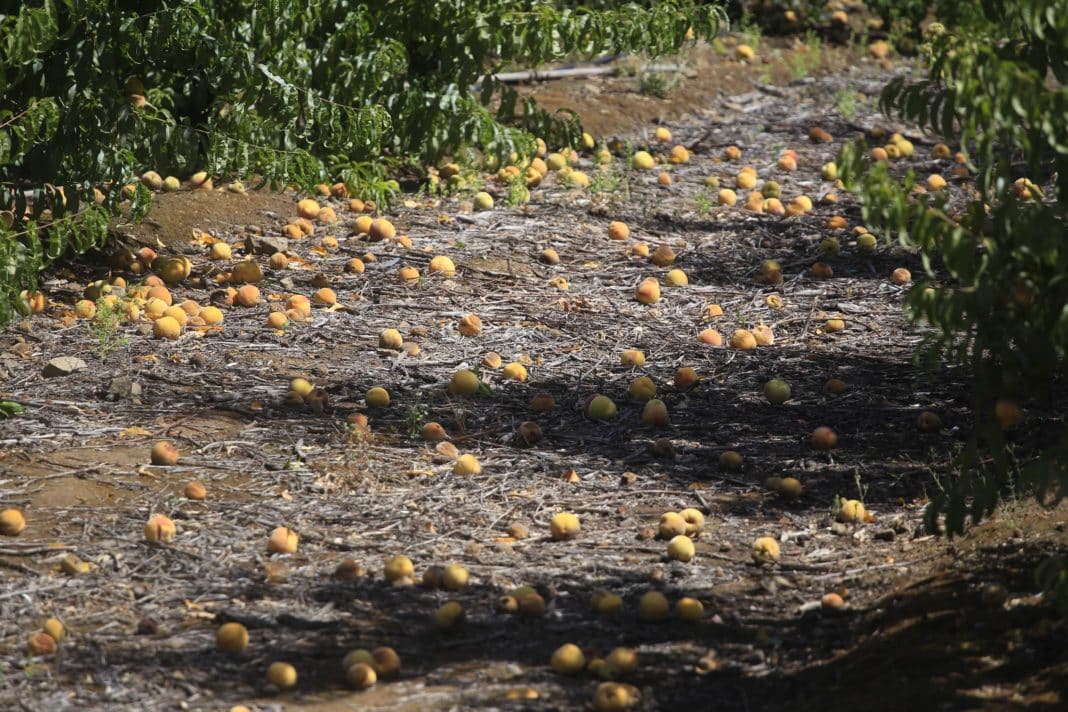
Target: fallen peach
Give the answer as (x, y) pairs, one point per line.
(601, 408)
(568, 660)
(246, 271)
(41, 644)
(689, 609)
(615, 696)
(433, 432)
(195, 490)
(655, 413)
(763, 334)
(832, 326)
(618, 230)
(362, 676)
(731, 461)
(325, 296)
(467, 464)
(681, 548)
(450, 615)
(55, 628)
(381, 229)
(528, 433)
(743, 339)
(308, 209)
(672, 524)
(901, 276)
(283, 540)
(164, 453)
(377, 397)
(464, 383)
(831, 600)
(398, 567)
(662, 256)
(632, 358)
(821, 270)
(648, 291)
(166, 327)
(851, 511)
(390, 339)
(515, 371)
(1007, 413)
(282, 675)
(685, 378)
(676, 278)
(542, 402)
(642, 388)
(605, 603)
(765, 550)
(711, 337)
(385, 661)
(834, 386)
(653, 607)
(160, 529)
(454, 577)
(695, 521)
(563, 526)
(442, 265)
(470, 325)
(11, 522)
(777, 391)
(823, 438)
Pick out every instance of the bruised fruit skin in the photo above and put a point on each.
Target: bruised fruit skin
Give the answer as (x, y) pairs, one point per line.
(41, 644)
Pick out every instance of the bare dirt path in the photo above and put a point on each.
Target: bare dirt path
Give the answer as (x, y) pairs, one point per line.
(924, 622)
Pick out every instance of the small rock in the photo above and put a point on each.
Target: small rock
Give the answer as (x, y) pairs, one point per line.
(123, 387)
(885, 535)
(62, 366)
(839, 529)
(265, 245)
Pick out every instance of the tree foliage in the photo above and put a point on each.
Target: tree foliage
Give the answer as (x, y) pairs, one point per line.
(994, 84)
(293, 91)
